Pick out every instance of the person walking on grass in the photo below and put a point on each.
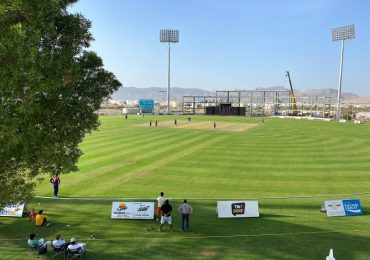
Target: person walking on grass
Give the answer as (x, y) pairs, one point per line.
(55, 180)
(166, 211)
(185, 210)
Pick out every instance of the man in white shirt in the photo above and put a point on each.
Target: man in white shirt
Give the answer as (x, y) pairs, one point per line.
(160, 202)
(59, 242)
(185, 209)
(74, 246)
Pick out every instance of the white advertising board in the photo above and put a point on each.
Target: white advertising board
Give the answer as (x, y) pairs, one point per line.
(340, 208)
(132, 210)
(237, 209)
(334, 208)
(15, 210)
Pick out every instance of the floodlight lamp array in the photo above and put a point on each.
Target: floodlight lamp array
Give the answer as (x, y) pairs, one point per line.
(167, 35)
(343, 33)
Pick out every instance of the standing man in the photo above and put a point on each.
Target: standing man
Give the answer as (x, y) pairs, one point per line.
(166, 211)
(214, 124)
(185, 209)
(160, 202)
(175, 122)
(55, 181)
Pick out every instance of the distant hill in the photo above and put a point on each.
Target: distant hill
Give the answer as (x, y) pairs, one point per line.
(131, 93)
(328, 92)
(324, 92)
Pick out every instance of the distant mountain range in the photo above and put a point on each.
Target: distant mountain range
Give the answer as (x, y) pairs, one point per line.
(160, 94)
(323, 92)
(131, 93)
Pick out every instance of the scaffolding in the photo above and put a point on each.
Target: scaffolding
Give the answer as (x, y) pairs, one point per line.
(193, 105)
(261, 103)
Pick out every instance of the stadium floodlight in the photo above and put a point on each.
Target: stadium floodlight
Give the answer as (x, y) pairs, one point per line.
(341, 34)
(169, 36)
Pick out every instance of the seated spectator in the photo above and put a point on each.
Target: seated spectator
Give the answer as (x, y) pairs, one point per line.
(40, 244)
(32, 242)
(74, 246)
(59, 242)
(40, 219)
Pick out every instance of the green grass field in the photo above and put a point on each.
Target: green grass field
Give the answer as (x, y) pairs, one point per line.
(241, 158)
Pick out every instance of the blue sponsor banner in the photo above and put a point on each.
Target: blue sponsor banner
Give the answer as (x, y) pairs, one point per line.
(352, 207)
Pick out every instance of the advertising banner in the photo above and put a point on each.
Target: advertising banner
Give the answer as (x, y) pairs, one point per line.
(132, 210)
(352, 207)
(334, 208)
(237, 209)
(15, 210)
(340, 208)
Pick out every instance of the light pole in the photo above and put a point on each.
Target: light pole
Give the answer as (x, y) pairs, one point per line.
(341, 34)
(169, 36)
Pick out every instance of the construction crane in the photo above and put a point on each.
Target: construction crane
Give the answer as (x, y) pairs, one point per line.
(293, 98)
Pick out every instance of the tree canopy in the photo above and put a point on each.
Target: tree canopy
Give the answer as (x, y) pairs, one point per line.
(50, 89)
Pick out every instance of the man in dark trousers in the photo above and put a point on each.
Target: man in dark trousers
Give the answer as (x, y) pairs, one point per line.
(185, 209)
(166, 211)
(55, 181)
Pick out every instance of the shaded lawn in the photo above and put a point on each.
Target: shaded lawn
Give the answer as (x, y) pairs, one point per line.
(287, 229)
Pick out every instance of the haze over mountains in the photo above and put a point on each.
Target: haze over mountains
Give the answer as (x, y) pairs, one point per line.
(159, 94)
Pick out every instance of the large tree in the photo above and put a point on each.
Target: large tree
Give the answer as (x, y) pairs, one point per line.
(50, 88)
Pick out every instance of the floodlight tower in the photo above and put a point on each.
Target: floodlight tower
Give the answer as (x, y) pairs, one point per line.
(169, 36)
(341, 34)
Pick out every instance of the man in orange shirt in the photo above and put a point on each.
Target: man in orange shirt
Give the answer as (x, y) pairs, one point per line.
(40, 219)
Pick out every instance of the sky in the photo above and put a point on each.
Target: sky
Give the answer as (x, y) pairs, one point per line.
(232, 44)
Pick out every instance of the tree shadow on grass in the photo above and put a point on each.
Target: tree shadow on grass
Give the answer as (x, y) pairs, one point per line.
(296, 232)
(266, 216)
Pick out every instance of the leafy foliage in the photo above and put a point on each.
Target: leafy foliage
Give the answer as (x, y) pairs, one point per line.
(50, 88)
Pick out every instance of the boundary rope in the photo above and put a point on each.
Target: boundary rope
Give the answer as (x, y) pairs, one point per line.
(202, 237)
(255, 198)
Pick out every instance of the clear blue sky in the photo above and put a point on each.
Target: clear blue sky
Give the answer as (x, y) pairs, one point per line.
(232, 44)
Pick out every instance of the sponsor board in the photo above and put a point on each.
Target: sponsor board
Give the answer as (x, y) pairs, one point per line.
(352, 207)
(15, 210)
(340, 208)
(132, 210)
(237, 209)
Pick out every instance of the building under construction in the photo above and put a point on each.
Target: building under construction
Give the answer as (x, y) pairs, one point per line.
(258, 103)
